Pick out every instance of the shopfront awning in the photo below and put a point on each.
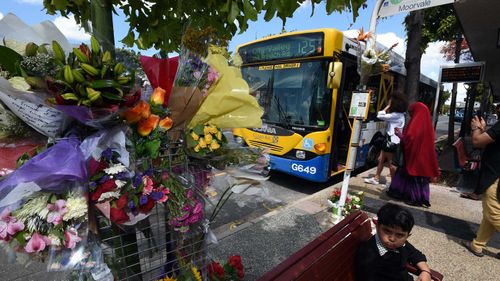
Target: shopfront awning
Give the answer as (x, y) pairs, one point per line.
(480, 20)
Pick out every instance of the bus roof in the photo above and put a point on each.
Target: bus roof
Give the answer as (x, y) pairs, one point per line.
(350, 46)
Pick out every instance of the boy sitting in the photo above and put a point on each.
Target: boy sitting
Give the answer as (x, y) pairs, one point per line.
(384, 256)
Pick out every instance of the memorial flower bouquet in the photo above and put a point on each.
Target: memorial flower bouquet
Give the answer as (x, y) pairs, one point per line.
(122, 196)
(231, 270)
(44, 206)
(354, 201)
(150, 122)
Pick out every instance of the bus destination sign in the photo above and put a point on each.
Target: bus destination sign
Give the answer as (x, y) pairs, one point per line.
(296, 46)
(461, 74)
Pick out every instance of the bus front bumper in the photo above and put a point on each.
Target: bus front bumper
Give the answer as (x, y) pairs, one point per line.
(315, 169)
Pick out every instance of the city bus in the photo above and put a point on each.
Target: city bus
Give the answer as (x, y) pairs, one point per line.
(304, 81)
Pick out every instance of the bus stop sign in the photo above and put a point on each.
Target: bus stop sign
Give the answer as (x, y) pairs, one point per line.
(461, 74)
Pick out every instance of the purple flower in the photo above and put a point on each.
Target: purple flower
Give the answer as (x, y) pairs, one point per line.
(156, 195)
(107, 154)
(195, 218)
(137, 181)
(183, 217)
(186, 208)
(103, 179)
(143, 200)
(9, 225)
(189, 194)
(92, 185)
(148, 172)
(131, 204)
(122, 176)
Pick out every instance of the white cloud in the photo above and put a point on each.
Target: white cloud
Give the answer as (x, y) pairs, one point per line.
(305, 4)
(33, 2)
(1, 16)
(390, 38)
(70, 29)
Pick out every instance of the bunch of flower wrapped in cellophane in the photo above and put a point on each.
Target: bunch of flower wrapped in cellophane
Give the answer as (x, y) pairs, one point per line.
(44, 207)
(89, 85)
(120, 195)
(150, 122)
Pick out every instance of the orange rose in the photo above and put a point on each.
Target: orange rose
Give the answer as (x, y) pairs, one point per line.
(138, 112)
(146, 126)
(166, 123)
(158, 96)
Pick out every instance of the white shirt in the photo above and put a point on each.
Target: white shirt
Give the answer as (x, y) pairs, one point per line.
(394, 120)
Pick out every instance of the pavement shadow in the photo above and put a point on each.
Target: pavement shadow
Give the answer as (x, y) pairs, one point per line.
(455, 229)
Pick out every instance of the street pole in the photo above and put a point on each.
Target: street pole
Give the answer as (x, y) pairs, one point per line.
(356, 132)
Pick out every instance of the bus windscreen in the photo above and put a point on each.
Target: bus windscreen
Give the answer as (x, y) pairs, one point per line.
(294, 46)
(292, 94)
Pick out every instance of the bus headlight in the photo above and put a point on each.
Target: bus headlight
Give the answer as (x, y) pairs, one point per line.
(300, 154)
(239, 140)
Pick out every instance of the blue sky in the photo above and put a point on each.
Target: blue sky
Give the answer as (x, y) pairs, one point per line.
(389, 30)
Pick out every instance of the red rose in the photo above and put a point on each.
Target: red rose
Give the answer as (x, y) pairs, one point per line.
(118, 216)
(146, 208)
(93, 166)
(122, 201)
(107, 186)
(216, 270)
(235, 261)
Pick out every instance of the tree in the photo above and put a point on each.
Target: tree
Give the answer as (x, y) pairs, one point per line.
(436, 24)
(160, 23)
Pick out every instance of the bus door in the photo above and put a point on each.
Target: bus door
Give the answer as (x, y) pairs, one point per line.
(343, 126)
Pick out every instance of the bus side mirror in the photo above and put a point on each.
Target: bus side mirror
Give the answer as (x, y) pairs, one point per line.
(334, 75)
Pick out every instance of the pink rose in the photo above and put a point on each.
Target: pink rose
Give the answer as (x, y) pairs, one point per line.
(37, 243)
(197, 208)
(9, 225)
(71, 238)
(148, 185)
(166, 191)
(56, 212)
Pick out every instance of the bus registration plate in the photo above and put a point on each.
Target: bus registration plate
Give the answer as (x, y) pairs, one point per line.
(304, 169)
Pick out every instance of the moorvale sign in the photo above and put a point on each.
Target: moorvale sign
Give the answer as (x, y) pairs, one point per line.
(392, 7)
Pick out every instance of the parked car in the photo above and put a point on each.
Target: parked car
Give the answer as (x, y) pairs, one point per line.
(459, 115)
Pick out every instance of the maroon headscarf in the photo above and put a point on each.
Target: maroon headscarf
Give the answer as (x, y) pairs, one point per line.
(418, 143)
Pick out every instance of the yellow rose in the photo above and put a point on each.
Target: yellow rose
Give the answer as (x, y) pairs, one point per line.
(213, 130)
(208, 138)
(195, 136)
(219, 135)
(202, 143)
(214, 145)
(206, 130)
(197, 148)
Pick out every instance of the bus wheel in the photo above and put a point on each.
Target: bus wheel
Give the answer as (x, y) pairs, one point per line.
(372, 156)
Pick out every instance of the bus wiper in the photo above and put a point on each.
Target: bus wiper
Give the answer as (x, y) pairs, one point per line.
(282, 113)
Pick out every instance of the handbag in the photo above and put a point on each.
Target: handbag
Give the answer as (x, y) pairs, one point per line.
(389, 146)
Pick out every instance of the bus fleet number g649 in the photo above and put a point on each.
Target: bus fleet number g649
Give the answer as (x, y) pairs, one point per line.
(301, 169)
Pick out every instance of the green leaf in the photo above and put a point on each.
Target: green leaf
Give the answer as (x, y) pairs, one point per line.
(129, 39)
(8, 60)
(191, 142)
(249, 11)
(153, 148)
(198, 129)
(233, 12)
(270, 8)
(110, 96)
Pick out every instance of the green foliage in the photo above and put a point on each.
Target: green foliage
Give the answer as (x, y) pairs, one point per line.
(160, 24)
(10, 60)
(440, 24)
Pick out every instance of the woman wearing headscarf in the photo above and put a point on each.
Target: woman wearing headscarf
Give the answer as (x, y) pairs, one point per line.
(411, 182)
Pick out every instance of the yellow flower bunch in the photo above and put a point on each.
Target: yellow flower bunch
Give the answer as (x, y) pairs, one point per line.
(205, 138)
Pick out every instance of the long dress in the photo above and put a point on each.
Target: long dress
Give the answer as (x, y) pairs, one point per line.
(411, 181)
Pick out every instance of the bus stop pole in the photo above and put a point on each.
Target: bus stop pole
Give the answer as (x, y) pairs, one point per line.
(351, 163)
(435, 113)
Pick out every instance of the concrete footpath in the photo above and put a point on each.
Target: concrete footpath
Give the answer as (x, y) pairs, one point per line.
(266, 241)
